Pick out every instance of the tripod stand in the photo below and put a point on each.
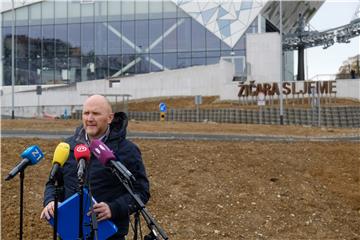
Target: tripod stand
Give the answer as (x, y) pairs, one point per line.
(155, 229)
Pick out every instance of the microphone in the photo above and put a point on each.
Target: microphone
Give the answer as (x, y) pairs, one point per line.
(61, 154)
(31, 156)
(82, 155)
(106, 156)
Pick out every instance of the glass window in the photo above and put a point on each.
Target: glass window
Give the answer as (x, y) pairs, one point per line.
(48, 71)
(22, 16)
(74, 39)
(87, 39)
(35, 71)
(73, 12)
(21, 71)
(155, 36)
(212, 42)
(227, 53)
(128, 10)
(48, 12)
(184, 34)
(101, 67)
(197, 36)
(142, 63)
(21, 41)
(225, 47)
(156, 62)
(61, 12)
(169, 9)
(7, 18)
(61, 70)
(155, 9)
(128, 64)
(115, 64)
(181, 13)
(74, 73)
(88, 68)
(170, 39)
(35, 14)
(6, 42)
(87, 12)
(6, 71)
(114, 38)
(184, 59)
(212, 60)
(101, 11)
(48, 41)
(142, 9)
(170, 60)
(61, 40)
(213, 53)
(198, 61)
(114, 10)
(240, 43)
(128, 40)
(142, 35)
(198, 54)
(101, 39)
(35, 41)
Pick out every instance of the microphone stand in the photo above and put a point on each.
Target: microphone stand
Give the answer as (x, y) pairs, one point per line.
(150, 221)
(22, 176)
(94, 225)
(56, 200)
(81, 202)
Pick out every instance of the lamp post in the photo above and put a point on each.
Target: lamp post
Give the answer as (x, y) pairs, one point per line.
(281, 70)
(12, 59)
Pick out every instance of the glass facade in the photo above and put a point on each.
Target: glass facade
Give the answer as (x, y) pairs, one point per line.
(67, 42)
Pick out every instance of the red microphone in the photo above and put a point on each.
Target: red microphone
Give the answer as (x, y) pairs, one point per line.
(82, 154)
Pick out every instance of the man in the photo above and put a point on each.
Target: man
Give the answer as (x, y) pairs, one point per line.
(114, 202)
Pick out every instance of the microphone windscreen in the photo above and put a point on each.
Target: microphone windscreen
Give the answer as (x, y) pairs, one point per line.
(33, 154)
(61, 153)
(101, 151)
(81, 151)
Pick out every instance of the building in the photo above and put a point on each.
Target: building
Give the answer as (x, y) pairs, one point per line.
(73, 41)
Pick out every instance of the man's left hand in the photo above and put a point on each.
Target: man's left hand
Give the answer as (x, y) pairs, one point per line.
(102, 211)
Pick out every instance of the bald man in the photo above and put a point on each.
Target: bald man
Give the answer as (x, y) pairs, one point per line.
(114, 202)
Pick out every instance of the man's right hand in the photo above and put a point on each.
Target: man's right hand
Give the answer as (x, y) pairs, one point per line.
(48, 211)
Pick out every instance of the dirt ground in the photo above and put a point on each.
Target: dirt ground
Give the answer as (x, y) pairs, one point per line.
(216, 190)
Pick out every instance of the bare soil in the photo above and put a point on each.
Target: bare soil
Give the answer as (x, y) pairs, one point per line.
(215, 190)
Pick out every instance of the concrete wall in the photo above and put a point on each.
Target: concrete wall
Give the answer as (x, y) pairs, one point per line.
(200, 80)
(348, 88)
(263, 56)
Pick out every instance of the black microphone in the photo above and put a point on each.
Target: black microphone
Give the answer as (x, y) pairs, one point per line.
(31, 156)
(82, 155)
(61, 154)
(105, 156)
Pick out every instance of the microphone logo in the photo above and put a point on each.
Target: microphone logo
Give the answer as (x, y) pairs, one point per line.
(97, 151)
(81, 148)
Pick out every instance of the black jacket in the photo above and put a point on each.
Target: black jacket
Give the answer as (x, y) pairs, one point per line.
(104, 185)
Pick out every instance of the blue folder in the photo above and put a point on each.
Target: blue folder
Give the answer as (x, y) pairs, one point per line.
(68, 219)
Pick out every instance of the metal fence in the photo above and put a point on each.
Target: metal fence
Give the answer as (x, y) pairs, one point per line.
(348, 116)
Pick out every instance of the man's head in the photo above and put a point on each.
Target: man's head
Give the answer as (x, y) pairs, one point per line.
(97, 115)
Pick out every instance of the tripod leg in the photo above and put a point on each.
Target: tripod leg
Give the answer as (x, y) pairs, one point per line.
(136, 224)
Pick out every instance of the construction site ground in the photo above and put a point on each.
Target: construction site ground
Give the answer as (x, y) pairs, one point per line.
(215, 189)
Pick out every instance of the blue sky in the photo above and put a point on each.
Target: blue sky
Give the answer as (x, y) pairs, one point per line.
(332, 14)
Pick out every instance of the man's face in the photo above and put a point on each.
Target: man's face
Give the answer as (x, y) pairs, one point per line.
(96, 117)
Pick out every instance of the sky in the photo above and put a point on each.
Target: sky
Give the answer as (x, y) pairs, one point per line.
(331, 14)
